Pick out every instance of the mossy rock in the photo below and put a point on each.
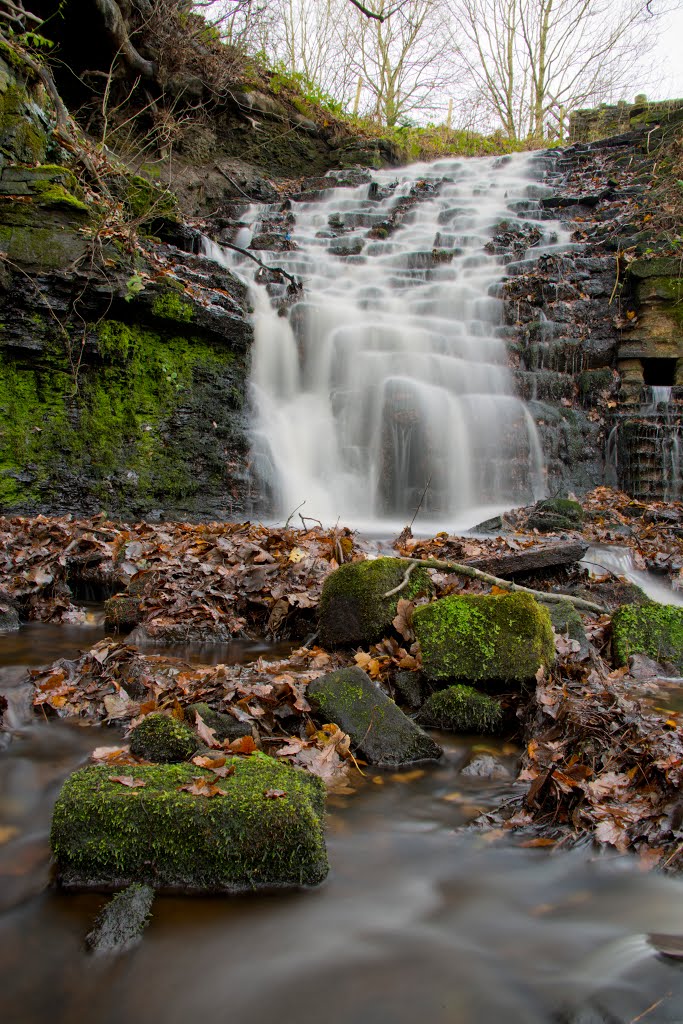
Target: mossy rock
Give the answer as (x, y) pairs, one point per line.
(567, 622)
(353, 608)
(411, 688)
(379, 730)
(225, 727)
(122, 921)
(163, 739)
(122, 613)
(106, 835)
(652, 629)
(461, 709)
(476, 637)
(555, 514)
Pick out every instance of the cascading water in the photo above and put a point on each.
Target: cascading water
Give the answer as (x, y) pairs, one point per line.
(387, 385)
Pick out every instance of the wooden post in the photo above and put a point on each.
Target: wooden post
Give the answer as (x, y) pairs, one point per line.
(449, 119)
(357, 99)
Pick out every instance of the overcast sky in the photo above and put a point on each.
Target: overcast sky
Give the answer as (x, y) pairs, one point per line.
(667, 80)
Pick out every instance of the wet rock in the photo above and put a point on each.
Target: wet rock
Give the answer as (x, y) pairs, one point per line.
(272, 242)
(568, 623)
(555, 514)
(484, 638)
(122, 921)
(485, 766)
(411, 688)
(353, 608)
(9, 616)
(225, 727)
(379, 730)
(652, 629)
(640, 667)
(261, 828)
(461, 709)
(163, 739)
(122, 613)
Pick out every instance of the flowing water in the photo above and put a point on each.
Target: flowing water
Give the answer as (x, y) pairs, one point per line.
(416, 921)
(387, 384)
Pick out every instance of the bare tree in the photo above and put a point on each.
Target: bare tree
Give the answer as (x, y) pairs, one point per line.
(532, 60)
(404, 61)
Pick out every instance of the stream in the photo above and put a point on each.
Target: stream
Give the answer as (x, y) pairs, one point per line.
(416, 918)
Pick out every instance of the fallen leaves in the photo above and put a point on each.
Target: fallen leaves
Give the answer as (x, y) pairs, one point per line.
(128, 780)
(201, 785)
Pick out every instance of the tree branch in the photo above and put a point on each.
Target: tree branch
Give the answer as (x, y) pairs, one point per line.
(476, 574)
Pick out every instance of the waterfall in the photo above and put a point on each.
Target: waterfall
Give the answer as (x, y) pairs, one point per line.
(386, 385)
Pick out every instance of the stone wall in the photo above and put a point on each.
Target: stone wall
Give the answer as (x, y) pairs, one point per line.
(605, 120)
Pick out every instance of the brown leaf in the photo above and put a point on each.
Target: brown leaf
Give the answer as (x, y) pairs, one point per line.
(243, 745)
(403, 621)
(274, 794)
(206, 735)
(128, 780)
(201, 786)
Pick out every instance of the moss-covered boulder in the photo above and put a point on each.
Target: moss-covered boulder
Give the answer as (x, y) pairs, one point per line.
(568, 623)
(163, 739)
(264, 828)
(652, 629)
(461, 709)
(225, 727)
(122, 921)
(553, 515)
(353, 608)
(379, 730)
(484, 637)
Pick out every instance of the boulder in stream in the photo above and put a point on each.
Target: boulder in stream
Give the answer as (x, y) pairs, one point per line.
(652, 629)
(568, 623)
(163, 739)
(461, 709)
(181, 828)
(353, 608)
(122, 920)
(225, 727)
(473, 637)
(555, 515)
(379, 730)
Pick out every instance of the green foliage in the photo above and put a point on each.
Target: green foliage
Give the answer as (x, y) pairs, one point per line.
(282, 80)
(484, 637)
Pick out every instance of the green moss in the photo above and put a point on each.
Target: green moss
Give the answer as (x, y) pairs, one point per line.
(353, 608)
(115, 423)
(481, 638)
(53, 195)
(461, 709)
(556, 514)
(379, 730)
(164, 739)
(591, 384)
(171, 306)
(105, 835)
(143, 199)
(652, 629)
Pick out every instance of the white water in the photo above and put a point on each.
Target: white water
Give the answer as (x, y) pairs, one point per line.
(388, 377)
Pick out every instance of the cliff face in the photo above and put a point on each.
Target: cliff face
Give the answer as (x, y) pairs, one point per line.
(122, 366)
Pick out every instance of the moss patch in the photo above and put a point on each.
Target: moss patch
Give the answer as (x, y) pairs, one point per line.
(379, 730)
(106, 835)
(652, 629)
(225, 727)
(461, 709)
(121, 613)
(484, 638)
(353, 609)
(554, 514)
(163, 739)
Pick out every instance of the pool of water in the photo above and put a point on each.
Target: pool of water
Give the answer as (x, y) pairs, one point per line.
(418, 919)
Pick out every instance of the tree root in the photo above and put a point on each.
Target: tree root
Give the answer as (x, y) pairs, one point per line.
(476, 574)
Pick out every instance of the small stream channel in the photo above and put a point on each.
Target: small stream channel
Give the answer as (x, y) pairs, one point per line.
(418, 919)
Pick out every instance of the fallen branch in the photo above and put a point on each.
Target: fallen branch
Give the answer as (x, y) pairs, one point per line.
(262, 265)
(477, 574)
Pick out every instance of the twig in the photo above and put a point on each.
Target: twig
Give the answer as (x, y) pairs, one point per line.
(309, 519)
(292, 514)
(419, 504)
(404, 581)
(478, 574)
